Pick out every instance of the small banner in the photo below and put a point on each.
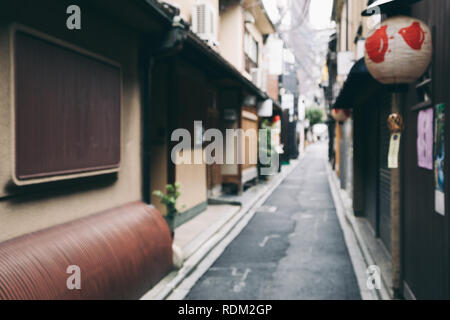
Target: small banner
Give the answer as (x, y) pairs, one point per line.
(439, 157)
(394, 149)
(425, 139)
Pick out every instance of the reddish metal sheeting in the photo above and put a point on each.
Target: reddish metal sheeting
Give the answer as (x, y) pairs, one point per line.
(121, 252)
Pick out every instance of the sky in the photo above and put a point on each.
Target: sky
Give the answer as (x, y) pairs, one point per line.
(320, 11)
(271, 8)
(308, 41)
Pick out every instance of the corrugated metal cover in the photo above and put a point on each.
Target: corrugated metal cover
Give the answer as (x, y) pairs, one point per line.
(121, 253)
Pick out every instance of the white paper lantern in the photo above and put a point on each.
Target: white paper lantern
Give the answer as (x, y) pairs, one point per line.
(340, 115)
(399, 51)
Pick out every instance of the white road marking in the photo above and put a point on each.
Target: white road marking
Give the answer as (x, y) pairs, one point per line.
(267, 238)
(242, 276)
(267, 209)
(241, 284)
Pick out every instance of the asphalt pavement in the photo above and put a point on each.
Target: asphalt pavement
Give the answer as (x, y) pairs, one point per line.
(293, 248)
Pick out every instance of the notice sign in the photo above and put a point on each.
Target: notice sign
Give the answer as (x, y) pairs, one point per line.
(394, 149)
(425, 139)
(439, 157)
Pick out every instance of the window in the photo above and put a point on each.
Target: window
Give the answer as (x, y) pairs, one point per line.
(67, 111)
(251, 52)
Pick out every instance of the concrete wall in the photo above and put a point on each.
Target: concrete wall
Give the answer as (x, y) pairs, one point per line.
(27, 209)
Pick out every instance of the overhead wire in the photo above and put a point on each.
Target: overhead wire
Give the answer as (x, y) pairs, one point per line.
(309, 45)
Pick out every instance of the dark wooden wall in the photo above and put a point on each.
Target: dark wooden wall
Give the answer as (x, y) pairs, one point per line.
(426, 234)
(372, 177)
(366, 161)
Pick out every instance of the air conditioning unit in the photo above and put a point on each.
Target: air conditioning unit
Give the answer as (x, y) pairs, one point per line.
(258, 78)
(204, 22)
(249, 18)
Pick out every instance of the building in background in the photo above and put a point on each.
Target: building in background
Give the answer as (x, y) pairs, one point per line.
(244, 27)
(290, 101)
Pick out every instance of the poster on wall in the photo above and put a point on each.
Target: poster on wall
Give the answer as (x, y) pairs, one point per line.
(425, 139)
(439, 157)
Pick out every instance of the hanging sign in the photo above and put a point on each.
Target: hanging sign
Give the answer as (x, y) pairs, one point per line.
(439, 157)
(395, 125)
(425, 139)
(394, 149)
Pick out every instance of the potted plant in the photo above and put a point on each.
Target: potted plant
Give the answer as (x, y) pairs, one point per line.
(170, 201)
(266, 147)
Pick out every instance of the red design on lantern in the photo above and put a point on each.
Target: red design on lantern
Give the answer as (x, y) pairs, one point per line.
(399, 51)
(414, 35)
(377, 45)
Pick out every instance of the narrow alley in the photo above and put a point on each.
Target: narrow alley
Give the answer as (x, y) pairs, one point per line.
(202, 150)
(293, 248)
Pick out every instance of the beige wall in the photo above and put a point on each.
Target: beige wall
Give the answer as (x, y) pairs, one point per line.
(231, 169)
(158, 174)
(231, 36)
(24, 210)
(355, 19)
(192, 178)
(256, 34)
(159, 147)
(231, 39)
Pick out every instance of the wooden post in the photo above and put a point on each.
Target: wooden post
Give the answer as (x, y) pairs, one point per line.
(396, 211)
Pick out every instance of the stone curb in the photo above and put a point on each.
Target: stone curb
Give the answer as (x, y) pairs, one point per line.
(348, 222)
